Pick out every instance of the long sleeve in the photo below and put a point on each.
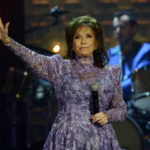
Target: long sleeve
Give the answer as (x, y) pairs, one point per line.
(45, 66)
(117, 109)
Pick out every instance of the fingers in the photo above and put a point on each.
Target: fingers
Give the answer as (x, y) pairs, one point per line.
(1, 24)
(4, 32)
(103, 121)
(2, 27)
(6, 27)
(100, 117)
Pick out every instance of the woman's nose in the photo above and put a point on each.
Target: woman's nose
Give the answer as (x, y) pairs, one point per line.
(83, 40)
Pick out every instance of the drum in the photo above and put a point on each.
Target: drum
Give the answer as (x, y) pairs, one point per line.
(140, 81)
(129, 134)
(140, 111)
(142, 102)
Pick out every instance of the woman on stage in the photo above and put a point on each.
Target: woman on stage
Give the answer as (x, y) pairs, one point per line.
(78, 126)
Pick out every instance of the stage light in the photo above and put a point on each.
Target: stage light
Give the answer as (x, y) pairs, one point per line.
(56, 48)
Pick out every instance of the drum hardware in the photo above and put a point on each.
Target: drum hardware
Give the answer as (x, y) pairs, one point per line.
(15, 82)
(140, 81)
(140, 111)
(142, 102)
(129, 134)
(142, 95)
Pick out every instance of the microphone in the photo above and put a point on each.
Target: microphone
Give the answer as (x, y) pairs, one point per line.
(56, 12)
(95, 98)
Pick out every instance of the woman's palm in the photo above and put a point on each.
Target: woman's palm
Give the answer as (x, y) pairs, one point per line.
(4, 32)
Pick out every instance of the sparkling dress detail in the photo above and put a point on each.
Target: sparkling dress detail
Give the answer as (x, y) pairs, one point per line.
(72, 80)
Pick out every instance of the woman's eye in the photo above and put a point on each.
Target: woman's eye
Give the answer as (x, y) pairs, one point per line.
(89, 36)
(77, 37)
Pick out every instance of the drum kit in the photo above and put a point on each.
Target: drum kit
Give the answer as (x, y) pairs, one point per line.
(134, 132)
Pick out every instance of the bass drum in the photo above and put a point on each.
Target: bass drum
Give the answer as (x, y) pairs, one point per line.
(129, 134)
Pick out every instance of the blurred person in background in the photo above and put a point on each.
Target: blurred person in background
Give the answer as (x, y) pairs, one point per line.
(129, 54)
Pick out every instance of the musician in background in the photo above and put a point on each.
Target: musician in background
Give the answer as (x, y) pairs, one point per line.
(129, 54)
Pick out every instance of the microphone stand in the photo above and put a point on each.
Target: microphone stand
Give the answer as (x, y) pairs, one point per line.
(56, 13)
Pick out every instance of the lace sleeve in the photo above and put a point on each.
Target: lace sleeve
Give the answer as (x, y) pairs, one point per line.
(45, 66)
(117, 110)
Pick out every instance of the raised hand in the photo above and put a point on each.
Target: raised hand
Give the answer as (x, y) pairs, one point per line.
(4, 32)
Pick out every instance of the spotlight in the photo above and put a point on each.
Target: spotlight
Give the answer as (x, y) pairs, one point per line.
(56, 47)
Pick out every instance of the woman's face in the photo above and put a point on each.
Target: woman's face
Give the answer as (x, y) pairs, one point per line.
(84, 41)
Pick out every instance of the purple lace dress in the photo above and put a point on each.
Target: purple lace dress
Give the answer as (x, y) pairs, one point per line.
(73, 128)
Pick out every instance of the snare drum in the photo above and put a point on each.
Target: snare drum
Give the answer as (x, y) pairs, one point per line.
(140, 81)
(129, 134)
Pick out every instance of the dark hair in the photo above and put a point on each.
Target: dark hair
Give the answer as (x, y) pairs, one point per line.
(132, 19)
(100, 55)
